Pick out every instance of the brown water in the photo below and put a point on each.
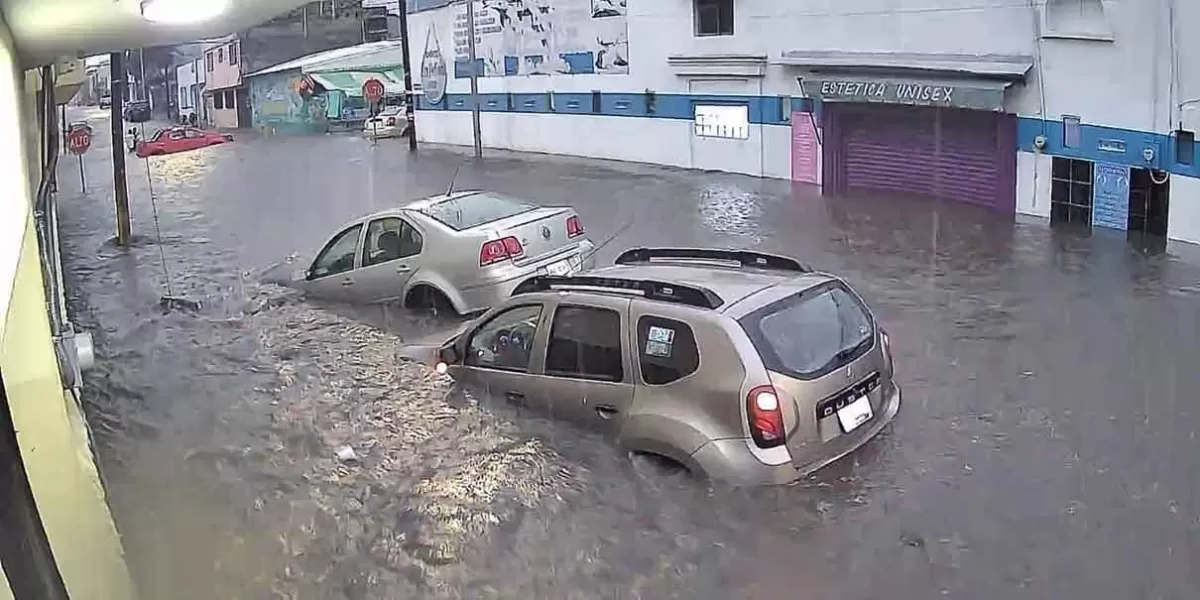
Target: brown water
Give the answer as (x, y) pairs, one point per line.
(1046, 448)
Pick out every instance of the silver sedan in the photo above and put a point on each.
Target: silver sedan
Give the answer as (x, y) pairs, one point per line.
(465, 252)
(391, 122)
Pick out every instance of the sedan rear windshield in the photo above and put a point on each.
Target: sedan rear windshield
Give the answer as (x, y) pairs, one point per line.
(465, 212)
(809, 334)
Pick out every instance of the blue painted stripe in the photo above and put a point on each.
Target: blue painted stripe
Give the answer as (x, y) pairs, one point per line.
(764, 110)
(1096, 142)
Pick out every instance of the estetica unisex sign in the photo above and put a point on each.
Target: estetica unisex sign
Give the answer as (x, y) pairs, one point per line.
(979, 96)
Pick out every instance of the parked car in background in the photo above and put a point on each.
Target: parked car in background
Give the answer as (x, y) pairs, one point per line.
(456, 253)
(740, 366)
(391, 122)
(137, 112)
(106, 101)
(179, 139)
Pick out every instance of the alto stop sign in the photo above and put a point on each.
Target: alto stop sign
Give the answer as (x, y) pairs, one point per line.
(79, 140)
(373, 90)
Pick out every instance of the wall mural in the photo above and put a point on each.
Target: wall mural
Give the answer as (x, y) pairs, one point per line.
(284, 99)
(540, 37)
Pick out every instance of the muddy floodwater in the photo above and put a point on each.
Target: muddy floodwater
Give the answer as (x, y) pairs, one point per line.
(269, 446)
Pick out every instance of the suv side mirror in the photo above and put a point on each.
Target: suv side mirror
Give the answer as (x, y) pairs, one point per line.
(449, 353)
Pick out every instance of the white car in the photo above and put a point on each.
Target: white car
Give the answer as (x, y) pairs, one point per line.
(391, 122)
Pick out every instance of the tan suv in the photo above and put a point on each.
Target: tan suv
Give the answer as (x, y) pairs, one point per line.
(738, 365)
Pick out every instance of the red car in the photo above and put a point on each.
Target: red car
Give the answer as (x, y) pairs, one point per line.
(180, 139)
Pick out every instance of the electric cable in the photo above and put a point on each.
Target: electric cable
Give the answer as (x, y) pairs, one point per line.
(162, 253)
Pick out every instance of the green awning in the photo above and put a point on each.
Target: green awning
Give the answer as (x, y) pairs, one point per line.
(351, 82)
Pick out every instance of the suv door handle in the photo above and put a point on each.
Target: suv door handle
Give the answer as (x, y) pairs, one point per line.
(347, 282)
(403, 269)
(516, 397)
(606, 411)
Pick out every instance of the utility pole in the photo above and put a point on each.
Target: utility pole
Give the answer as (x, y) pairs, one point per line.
(118, 79)
(409, 98)
(474, 78)
(142, 68)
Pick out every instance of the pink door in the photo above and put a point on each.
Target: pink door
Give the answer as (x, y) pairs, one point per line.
(806, 149)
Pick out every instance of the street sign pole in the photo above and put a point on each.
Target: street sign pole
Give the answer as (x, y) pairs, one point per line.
(79, 141)
(409, 98)
(474, 67)
(373, 92)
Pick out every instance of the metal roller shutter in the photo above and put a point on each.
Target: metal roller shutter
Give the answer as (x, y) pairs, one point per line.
(907, 150)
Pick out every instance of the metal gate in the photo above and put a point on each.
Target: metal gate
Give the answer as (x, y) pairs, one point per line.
(952, 154)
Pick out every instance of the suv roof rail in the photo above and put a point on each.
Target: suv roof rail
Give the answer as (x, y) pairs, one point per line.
(745, 258)
(651, 290)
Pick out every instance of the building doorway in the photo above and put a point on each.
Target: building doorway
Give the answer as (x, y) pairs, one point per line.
(1149, 204)
(1149, 194)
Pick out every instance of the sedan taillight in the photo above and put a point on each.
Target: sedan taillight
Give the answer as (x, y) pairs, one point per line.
(574, 226)
(494, 251)
(765, 417)
(391, 121)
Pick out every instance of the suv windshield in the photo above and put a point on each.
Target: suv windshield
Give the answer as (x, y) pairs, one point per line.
(809, 334)
(468, 211)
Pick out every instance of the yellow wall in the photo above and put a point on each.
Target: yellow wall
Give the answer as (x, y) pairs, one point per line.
(48, 419)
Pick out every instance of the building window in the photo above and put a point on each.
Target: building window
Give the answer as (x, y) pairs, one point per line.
(1070, 131)
(1185, 147)
(183, 97)
(713, 17)
(218, 100)
(233, 53)
(1071, 181)
(729, 121)
(230, 101)
(208, 61)
(1076, 19)
(221, 55)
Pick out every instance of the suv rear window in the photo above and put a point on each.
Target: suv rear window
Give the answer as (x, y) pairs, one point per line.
(666, 350)
(469, 211)
(809, 334)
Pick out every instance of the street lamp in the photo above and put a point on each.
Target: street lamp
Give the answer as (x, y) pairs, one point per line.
(182, 12)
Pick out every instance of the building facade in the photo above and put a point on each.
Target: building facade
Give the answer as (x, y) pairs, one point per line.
(1073, 111)
(225, 101)
(189, 89)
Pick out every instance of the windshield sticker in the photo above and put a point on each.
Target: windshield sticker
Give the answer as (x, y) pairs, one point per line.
(661, 335)
(654, 348)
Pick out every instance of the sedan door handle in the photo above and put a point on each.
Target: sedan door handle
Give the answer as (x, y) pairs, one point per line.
(606, 411)
(403, 269)
(347, 282)
(516, 397)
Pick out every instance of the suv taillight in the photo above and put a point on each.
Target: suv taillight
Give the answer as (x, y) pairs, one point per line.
(765, 417)
(494, 251)
(574, 227)
(391, 121)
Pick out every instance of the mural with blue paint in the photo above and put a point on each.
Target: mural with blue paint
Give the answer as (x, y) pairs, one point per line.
(286, 102)
(540, 37)
(1110, 196)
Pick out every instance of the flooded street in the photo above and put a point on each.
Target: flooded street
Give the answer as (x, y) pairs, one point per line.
(1047, 447)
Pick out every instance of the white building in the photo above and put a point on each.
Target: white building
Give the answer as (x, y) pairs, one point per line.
(1070, 110)
(189, 90)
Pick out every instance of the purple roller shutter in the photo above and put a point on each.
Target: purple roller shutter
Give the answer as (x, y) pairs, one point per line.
(959, 155)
